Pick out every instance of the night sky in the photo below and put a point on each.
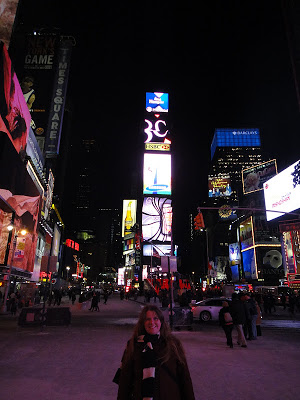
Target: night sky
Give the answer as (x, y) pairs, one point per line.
(223, 63)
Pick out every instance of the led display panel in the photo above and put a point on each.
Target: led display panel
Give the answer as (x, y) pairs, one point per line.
(155, 129)
(157, 102)
(249, 264)
(157, 174)
(235, 138)
(129, 216)
(282, 192)
(254, 178)
(157, 219)
(246, 234)
(156, 250)
(234, 253)
(219, 186)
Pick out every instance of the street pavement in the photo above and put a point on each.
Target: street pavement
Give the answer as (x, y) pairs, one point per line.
(78, 362)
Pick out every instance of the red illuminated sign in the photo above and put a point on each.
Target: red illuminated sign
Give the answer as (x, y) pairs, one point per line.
(73, 245)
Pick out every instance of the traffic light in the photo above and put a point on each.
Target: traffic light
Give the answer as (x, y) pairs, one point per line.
(199, 221)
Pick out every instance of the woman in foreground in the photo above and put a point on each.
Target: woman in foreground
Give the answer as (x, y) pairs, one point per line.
(154, 366)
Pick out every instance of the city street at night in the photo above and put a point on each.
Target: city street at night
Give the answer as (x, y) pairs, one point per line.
(79, 361)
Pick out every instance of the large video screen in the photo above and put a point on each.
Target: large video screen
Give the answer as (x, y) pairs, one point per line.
(157, 102)
(255, 177)
(129, 216)
(282, 192)
(157, 174)
(157, 219)
(156, 250)
(219, 186)
(246, 234)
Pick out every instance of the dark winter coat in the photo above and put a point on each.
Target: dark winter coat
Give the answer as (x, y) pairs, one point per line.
(172, 382)
(238, 312)
(222, 321)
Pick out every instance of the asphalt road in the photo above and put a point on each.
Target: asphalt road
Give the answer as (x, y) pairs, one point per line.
(79, 361)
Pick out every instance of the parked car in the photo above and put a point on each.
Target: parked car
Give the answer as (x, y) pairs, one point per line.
(206, 310)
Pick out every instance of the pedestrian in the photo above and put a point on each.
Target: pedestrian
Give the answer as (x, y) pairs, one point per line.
(94, 303)
(283, 300)
(105, 296)
(154, 365)
(13, 305)
(253, 314)
(73, 297)
(239, 318)
(226, 322)
(122, 294)
(258, 319)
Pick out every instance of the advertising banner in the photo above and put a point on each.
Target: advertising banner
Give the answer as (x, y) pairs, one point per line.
(246, 233)
(270, 264)
(219, 186)
(249, 264)
(234, 253)
(7, 17)
(157, 219)
(58, 98)
(129, 216)
(254, 178)
(157, 174)
(289, 254)
(157, 146)
(157, 102)
(14, 114)
(156, 129)
(282, 192)
(34, 152)
(35, 58)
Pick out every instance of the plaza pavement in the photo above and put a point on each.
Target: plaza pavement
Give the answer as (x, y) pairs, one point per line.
(78, 362)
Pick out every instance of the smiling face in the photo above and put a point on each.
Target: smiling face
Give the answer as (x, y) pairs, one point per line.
(152, 323)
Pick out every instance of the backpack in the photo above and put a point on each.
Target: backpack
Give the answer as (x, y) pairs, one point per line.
(227, 318)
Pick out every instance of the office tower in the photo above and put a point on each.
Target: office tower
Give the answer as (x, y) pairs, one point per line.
(231, 151)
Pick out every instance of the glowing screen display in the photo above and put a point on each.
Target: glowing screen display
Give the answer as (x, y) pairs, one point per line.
(129, 216)
(157, 102)
(157, 174)
(157, 219)
(155, 130)
(282, 192)
(156, 250)
(254, 178)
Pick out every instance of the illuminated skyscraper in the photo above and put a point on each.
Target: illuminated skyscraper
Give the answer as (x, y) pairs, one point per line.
(231, 151)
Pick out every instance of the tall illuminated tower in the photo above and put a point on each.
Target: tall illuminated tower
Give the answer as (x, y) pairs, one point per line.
(157, 190)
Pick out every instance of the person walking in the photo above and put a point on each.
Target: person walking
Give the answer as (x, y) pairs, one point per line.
(226, 322)
(258, 319)
(154, 365)
(239, 318)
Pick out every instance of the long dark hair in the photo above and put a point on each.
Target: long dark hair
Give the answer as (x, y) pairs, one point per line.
(172, 344)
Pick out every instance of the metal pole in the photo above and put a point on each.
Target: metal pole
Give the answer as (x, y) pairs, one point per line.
(170, 294)
(9, 272)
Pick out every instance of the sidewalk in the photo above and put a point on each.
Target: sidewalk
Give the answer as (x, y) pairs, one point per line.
(78, 362)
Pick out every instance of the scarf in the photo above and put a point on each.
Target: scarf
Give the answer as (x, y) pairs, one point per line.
(149, 363)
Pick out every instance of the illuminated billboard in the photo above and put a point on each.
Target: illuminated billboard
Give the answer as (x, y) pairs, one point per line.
(157, 102)
(157, 219)
(129, 216)
(219, 186)
(235, 138)
(254, 178)
(7, 18)
(249, 264)
(157, 174)
(234, 253)
(157, 146)
(156, 129)
(156, 250)
(282, 192)
(14, 114)
(246, 234)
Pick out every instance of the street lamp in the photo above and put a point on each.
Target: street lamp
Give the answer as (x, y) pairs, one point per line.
(68, 269)
(23, 232)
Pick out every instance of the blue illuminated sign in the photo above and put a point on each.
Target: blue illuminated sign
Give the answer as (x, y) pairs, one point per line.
(235, 138)
(157, 102)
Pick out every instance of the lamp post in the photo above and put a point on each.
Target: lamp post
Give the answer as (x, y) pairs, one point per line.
(68, 269)
(23, 233)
